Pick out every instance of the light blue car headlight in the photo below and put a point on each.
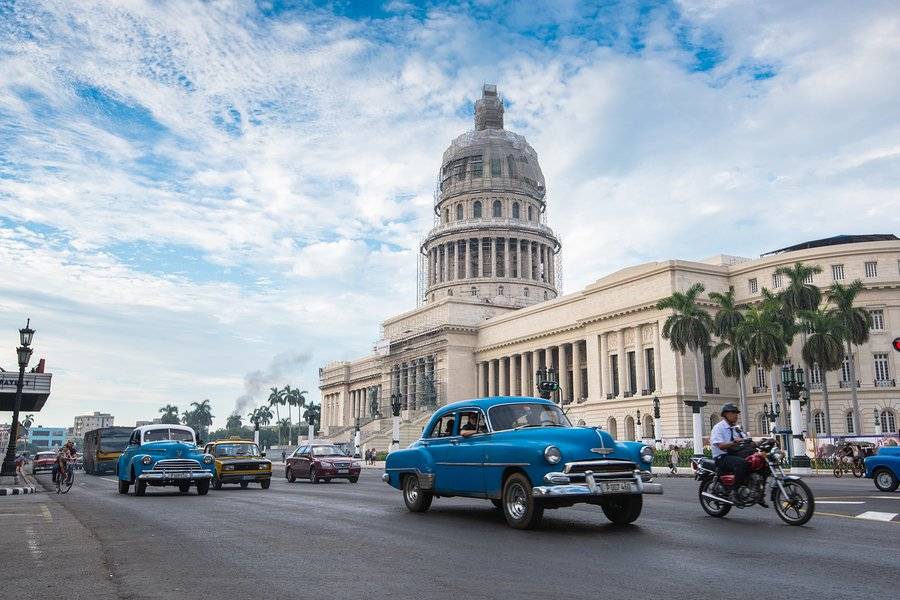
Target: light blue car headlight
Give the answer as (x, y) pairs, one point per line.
(146, 461)
(552, 455)
(647, 454)
(207, 459)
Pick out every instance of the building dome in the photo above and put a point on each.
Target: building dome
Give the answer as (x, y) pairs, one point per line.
(491, 240)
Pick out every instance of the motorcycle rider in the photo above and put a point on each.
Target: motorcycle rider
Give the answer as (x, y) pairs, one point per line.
(725, 438)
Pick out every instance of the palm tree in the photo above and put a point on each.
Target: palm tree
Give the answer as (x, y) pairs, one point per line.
(276, 398)
(203, 416)
(287, 397)
(855, 323)
(800, 295)
(824, 348)
(234, 422)
(169, 414)
(312, 414)
(736, 361)
(763, 337)
(285, 424)
(773, 305)
(688, 329)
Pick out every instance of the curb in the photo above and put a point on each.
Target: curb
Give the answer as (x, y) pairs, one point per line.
(17, 491)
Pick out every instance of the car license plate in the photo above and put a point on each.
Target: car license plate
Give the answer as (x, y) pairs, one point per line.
(615, 487)
(248, 477)
(182, 475)
(343, 470)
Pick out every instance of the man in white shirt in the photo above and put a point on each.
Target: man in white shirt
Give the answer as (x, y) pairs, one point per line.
(726, 437)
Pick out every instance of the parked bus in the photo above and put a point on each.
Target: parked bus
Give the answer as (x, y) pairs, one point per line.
(102, 448)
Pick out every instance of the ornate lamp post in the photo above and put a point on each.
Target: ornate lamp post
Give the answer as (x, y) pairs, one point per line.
(356, 437)
(793, 383)
(24, 355)
(395, 421)
(311, 431)
(657, 426)
(771, 413)
(878, 431)
(639, 434)
(546, 382)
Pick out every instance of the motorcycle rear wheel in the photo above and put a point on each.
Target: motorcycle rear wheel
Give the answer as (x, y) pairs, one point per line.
(799, 506)
(710, 506)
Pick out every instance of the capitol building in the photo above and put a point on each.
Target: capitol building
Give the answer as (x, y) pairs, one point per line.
(491, 314)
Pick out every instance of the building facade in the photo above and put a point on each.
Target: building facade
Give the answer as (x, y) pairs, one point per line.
(47, 438)
(85, 423)
(492, 316)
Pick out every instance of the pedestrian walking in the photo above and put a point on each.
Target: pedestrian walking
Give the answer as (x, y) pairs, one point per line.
(283, 456)
(674, 455)
(20, 465)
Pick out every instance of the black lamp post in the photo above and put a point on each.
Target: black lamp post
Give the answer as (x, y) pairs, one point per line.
(771, 414)
(395, 420)
(657, 427)
(878, 430)
(24, 355)
(794, 385)
(546, 382)
(638, 416)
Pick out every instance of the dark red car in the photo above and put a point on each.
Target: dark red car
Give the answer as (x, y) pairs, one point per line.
(43, 461)
(321, 462)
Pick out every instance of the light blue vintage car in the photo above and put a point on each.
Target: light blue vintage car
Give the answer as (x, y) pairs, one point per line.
(884, 468)
(525, 456)
(164, 455)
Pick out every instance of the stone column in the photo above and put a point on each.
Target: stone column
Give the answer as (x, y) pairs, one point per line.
(423, 370)
(639, 360)
(506, 262)
(535, 262)
(493, 257)
(518, 258)
(551, 266)
(594, 366)
(576, 370)
(404, 386)
(657, 359)
(467, 267)
(413, 379)
(480, 269)
(525, 369)
(445, 270)
(620, 359)
(492, 372)
(479, 379)
(503, 371)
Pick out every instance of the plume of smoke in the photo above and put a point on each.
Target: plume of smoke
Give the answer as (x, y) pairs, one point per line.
(282, 364)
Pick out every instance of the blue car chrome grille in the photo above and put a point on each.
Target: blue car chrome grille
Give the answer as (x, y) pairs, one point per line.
(174, 464)
(602, 467)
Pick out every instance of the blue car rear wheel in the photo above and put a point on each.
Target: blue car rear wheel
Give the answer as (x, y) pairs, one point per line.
(885, 480)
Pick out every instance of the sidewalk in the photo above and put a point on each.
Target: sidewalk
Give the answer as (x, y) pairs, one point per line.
(17, 485)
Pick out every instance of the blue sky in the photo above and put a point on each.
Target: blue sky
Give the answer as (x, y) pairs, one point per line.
(199, 197)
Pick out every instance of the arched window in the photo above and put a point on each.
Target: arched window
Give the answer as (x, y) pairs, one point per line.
(474, 291)
(530, 213)
(762, 424)
(500, 291)
(848, 418)
(511, 164)
(648, 427)
(888, 423)
(477, 209)
(819, 422)
(459, 212)
(446, 215)
(497, 210)
(515, 210)
(611, 427)
(629, 428)
(525, 292)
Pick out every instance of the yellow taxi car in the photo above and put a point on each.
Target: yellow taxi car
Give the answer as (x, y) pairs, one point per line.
(239, 461)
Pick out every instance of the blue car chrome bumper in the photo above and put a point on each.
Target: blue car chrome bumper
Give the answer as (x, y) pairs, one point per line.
(562, 485)
(174, 476)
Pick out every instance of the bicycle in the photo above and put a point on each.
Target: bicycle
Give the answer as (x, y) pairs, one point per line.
(63, 486)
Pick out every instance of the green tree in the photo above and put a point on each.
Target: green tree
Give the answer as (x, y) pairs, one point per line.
(855, 322)
(735, 360)
(763, 337)
(688, 329)
(823, 347)
(203, 416)
(234, 422)
(169, 414)
(276, 399)
(312, 414)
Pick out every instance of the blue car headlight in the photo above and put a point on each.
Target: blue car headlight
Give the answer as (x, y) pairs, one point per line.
(552, 455)
(647, 454)
(207, 459)
(146, 460)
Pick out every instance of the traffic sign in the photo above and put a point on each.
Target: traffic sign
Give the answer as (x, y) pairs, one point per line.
(897, 344)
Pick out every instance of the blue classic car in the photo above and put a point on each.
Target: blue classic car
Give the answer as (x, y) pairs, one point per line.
(884, 468)
(523, 455)
(164, 455)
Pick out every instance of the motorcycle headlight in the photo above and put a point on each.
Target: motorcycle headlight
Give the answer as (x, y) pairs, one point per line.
(207, 459)
(647, 454)
(552, 455)
(146, 460)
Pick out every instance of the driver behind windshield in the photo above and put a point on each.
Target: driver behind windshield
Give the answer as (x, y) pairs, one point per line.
(470, 427)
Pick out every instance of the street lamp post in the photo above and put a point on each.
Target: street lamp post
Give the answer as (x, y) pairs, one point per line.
(546, 382)
(878, 431)
(792, 381)
(771, 413)
(24, 355)
(395, 421)
(356, 437)
(311, 431)
(657, 427)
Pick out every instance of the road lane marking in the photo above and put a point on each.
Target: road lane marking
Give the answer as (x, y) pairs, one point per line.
(839, 502)
(874, 515)
(33, 547)
(46, 512)
(108, 479)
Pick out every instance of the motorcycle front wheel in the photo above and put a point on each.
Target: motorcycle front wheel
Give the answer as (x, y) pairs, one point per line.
(710, 506)
(798, 506)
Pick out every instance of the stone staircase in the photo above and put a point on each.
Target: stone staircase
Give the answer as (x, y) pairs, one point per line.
(410, 431)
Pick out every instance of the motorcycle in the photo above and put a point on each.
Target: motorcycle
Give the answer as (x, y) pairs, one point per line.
(791, 497)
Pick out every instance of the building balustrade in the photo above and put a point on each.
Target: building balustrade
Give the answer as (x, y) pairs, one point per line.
(846, 384)
(883, 383)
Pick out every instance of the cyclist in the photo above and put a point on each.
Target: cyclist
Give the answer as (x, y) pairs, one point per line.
(65, 455)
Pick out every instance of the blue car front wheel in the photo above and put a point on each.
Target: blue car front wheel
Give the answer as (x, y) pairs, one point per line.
(885, 480)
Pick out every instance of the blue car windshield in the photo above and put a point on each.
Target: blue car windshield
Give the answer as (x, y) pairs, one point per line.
(526, 414)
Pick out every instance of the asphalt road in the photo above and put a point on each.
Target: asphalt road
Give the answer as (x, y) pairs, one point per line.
(343, 540)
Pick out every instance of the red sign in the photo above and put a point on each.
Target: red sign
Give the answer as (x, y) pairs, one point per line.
(897, 344)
